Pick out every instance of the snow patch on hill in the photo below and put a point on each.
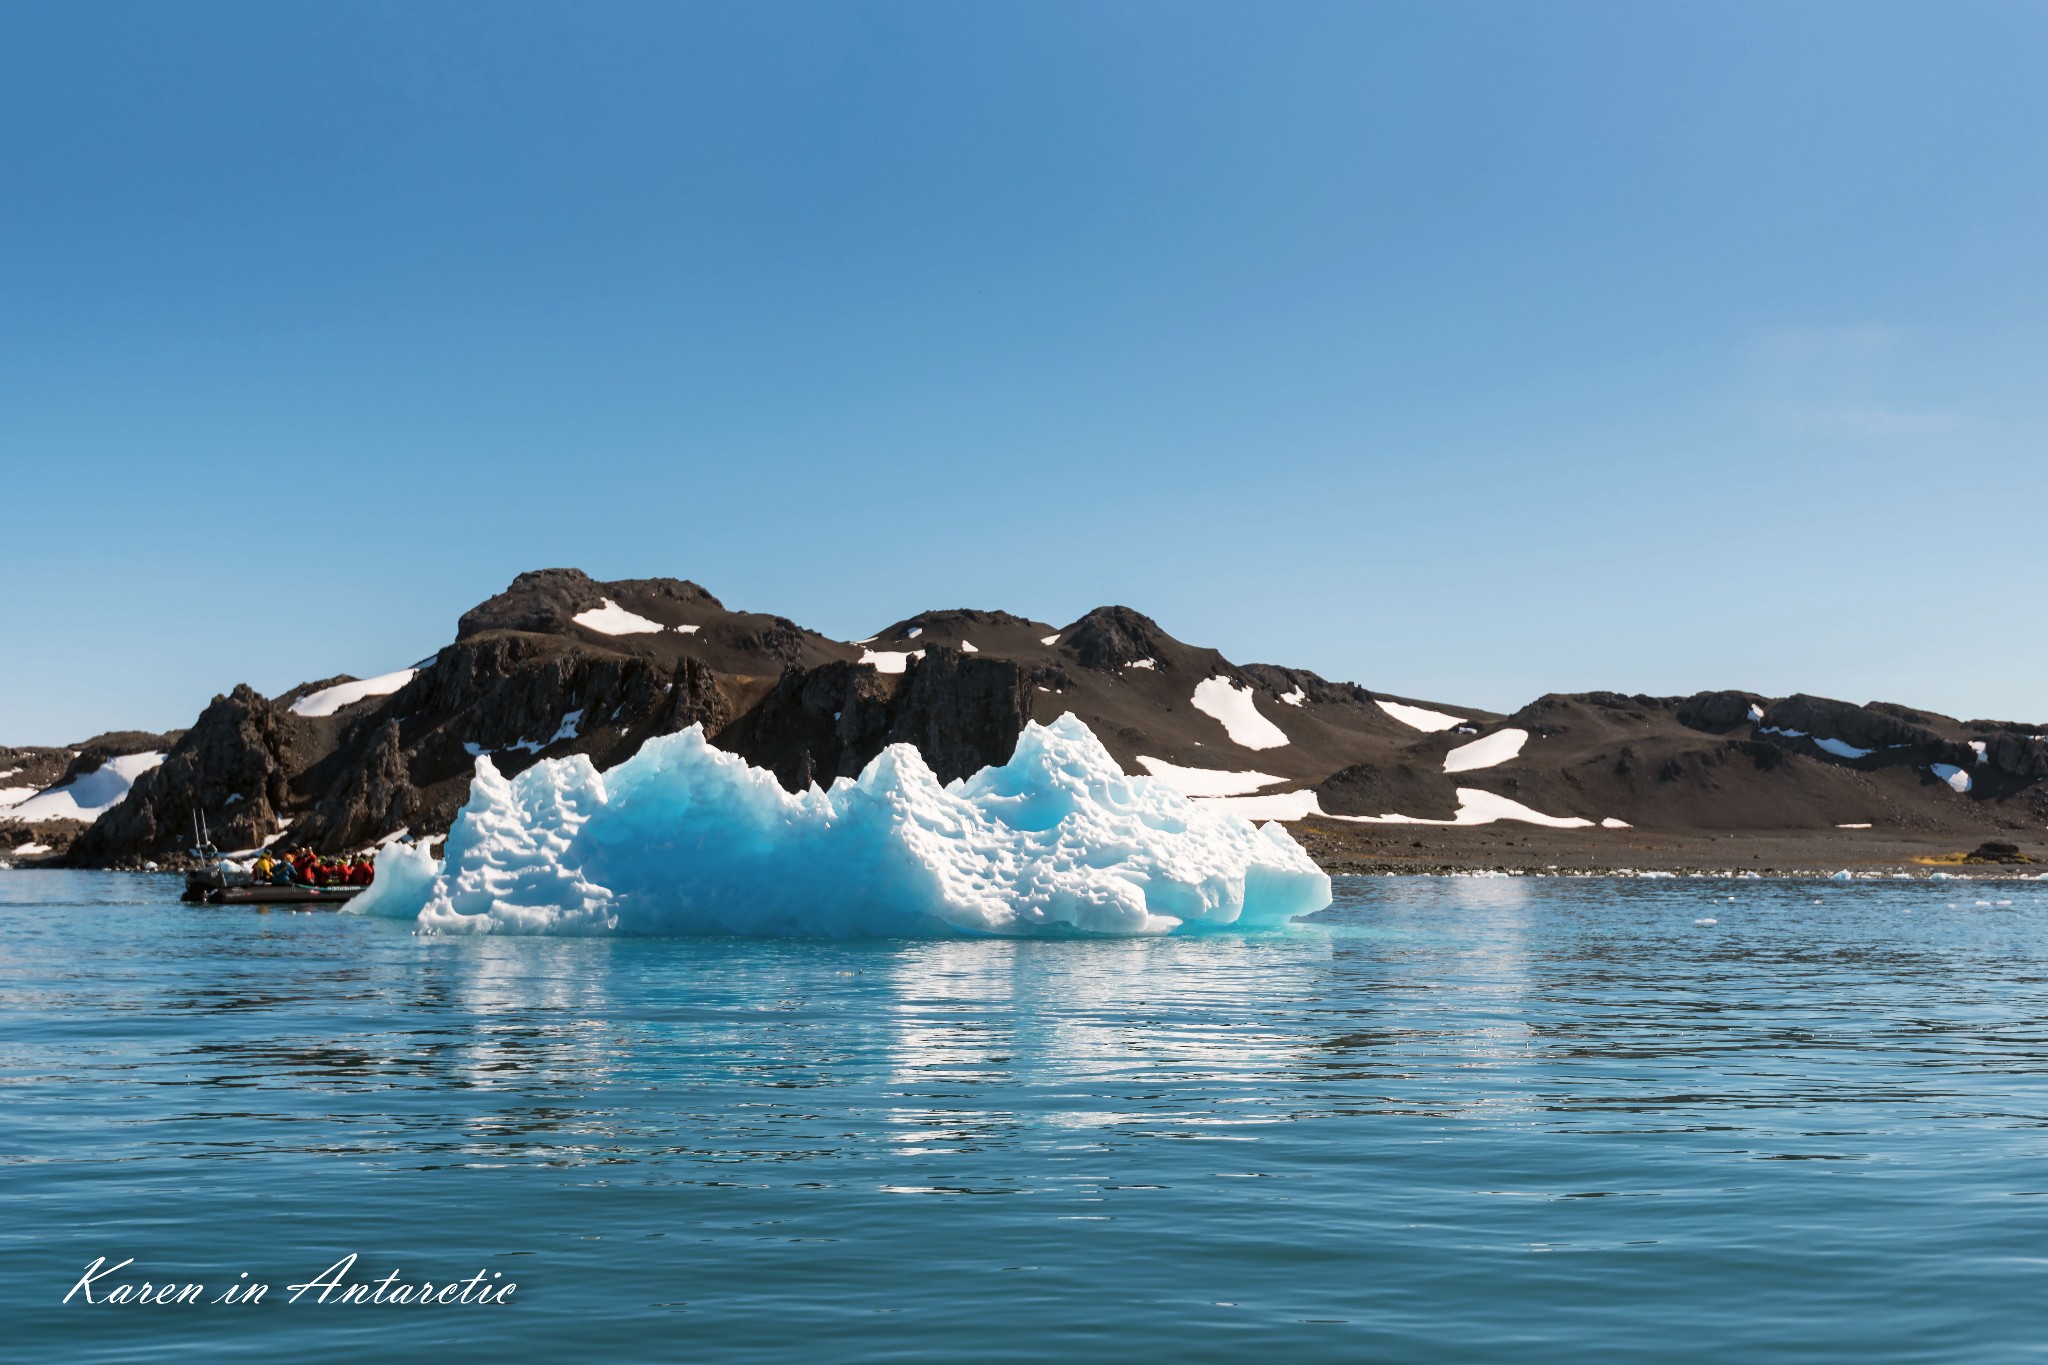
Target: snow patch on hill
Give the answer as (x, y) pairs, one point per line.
(1206, 781)
(1476, 807)
(1272, 806)
(609, 618)
(1232, 705)
(1843, 749)
(890, 660)
(328, 700)
(1486, 752)
(1420, 717)
(88, 796)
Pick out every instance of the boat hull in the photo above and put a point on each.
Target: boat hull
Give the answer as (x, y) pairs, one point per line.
(331, 897)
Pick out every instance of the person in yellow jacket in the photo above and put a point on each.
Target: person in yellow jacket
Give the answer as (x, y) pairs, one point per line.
(263, 869)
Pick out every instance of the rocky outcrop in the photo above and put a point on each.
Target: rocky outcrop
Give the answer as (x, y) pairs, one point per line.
(2018, 756)
(377, 797)
(1717, 713)
(234, 765)
(962, 712)
(525, 680)
(1863, 727)
(1414, 787)
(1303, 685)
(1114, 637)
(542, 602)
(815, 724)
(408, 764)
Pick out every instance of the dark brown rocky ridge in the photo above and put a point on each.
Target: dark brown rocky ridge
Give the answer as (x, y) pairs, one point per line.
(525, 678)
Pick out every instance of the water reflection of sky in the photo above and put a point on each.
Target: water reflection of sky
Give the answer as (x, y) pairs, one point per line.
(1431, 1073)
(1531, 1000)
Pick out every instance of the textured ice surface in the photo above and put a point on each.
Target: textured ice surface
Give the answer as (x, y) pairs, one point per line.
(1233, 706)
(88, 796)
(683, 838)
(328, 700)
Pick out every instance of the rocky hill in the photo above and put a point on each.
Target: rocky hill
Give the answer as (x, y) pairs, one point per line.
(560, 664)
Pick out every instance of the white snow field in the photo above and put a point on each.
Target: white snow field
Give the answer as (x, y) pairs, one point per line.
(14, 796)
(1486, 752)
(1298, 805)
(1420, 717)
(328, 700)
(1232, 705)
(890, 660)
(1843, 749)
(90, 796)
(609, 618)
(683, 838)
(1476, 807)
(1956, 778)
(1206, 781)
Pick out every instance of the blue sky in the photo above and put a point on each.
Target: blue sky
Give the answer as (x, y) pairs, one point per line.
(1467, 351)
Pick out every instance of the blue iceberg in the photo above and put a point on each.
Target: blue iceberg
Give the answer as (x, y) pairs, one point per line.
(684, 839)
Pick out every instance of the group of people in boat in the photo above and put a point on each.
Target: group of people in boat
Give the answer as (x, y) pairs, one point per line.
(304, 867)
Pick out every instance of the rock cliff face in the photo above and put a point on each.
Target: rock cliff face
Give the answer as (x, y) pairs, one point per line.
(560, 664)
(233, 766)
(962, 712)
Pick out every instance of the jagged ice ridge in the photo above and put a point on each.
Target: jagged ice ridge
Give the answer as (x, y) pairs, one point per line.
(683, 838)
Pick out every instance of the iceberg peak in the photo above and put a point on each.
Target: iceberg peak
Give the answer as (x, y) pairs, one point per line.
(684, 838)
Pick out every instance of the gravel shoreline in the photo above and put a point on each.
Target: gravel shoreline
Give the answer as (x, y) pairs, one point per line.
(1535, 851)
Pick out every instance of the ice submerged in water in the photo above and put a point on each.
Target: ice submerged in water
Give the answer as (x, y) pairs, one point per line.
(683, 838)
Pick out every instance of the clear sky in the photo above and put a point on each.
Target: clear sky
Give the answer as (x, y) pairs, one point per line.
(1467, 351)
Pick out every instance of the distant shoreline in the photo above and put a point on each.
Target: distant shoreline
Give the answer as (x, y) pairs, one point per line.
(1532, 850)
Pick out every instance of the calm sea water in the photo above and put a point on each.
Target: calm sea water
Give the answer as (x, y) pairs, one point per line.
(1452, 1120)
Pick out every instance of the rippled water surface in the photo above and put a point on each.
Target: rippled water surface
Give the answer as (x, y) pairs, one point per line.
(1450, 1120)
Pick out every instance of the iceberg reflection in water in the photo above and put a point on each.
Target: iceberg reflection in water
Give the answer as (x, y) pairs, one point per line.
(1448, 1119)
